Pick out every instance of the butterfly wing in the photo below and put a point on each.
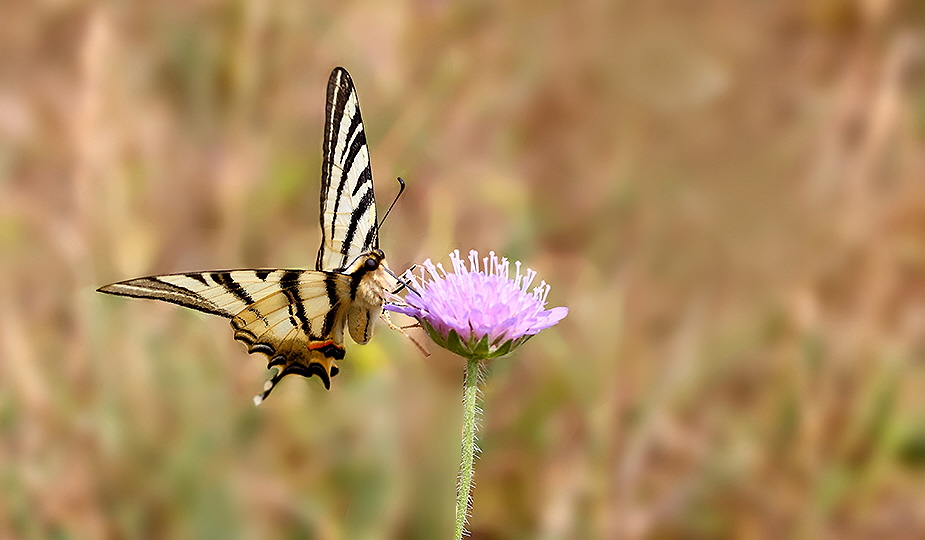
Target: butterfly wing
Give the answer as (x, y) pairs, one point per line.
(295, 317)
(348, 205)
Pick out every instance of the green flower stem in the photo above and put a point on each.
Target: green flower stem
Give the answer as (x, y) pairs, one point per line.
(470, 426)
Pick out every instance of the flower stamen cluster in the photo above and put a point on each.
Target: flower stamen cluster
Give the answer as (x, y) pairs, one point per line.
(480, 311)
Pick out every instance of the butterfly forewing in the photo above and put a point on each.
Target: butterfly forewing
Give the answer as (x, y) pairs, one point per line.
(348, 206)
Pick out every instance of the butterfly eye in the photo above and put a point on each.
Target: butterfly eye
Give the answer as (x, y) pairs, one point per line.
(371, 264)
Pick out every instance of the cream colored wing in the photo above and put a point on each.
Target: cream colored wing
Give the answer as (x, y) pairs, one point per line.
(295, 317)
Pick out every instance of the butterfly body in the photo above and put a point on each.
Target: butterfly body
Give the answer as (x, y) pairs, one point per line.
(297, 317)
(368, 284)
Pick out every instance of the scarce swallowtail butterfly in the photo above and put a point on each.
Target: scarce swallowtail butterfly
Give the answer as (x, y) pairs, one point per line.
(297, 317)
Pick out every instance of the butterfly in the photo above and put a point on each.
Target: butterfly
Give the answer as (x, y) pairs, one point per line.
(297, 317)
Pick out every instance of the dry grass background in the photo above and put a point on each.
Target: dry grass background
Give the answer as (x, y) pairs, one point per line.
(730, 197)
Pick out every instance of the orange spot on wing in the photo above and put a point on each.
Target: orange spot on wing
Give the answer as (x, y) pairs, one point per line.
(322, 344)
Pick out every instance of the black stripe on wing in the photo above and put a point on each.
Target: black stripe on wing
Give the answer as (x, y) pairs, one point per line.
(289, 284)
(359, 220)
(224, 279)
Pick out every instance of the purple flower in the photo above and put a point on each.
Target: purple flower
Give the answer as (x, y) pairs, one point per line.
(478, 313)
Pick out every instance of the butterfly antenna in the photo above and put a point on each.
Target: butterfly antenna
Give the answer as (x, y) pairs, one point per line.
(395, 200)
(404, 282)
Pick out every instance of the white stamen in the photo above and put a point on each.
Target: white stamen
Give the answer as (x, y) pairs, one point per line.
(258, 400)
(538, 290)
(528, 279)
(458, 266)
(431, 269)
(474, 261)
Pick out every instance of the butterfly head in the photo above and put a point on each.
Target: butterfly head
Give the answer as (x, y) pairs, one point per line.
(370, 268)
(373, 261)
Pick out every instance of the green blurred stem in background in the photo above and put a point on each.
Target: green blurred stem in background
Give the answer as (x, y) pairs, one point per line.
(471, 413)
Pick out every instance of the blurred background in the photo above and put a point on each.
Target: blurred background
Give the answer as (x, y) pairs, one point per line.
(729, 196)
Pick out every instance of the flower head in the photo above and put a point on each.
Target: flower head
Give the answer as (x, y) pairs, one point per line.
(478, 312)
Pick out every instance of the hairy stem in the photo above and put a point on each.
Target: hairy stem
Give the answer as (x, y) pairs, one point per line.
(471, 413)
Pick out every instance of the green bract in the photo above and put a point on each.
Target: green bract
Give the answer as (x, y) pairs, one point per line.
(473, 349)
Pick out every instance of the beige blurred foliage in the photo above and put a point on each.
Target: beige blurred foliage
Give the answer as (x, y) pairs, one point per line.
(729, 196)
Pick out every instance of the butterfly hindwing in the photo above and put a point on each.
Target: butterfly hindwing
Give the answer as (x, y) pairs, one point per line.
(295, 317)
(348, 205)
(300, 326)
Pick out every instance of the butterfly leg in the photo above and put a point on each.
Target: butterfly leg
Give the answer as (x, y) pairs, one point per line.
(401, 330)
(403, 283)
(400, 287)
